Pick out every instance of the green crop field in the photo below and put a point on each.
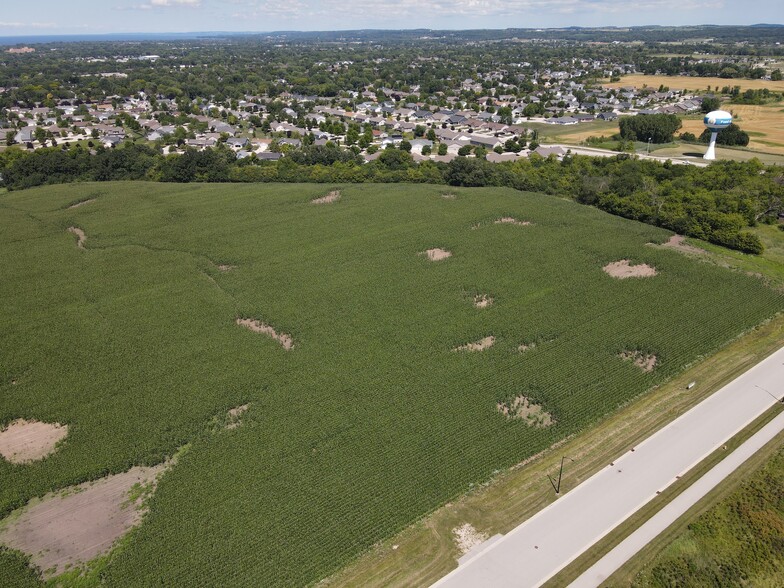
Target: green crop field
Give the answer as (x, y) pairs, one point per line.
(372, 419)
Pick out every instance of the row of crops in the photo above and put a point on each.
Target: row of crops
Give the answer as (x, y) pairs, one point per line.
(371, 421)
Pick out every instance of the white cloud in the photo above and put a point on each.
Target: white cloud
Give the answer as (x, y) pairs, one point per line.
(418, 13)
(27, 25)
(175, 2)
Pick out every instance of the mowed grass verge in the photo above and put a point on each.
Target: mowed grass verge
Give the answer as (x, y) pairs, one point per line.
(371, 420)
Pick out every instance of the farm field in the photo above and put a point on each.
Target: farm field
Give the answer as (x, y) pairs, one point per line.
(765, 125)
(374, 350)
(693, 83)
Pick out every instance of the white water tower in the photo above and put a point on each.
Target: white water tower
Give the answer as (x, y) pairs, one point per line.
(715, 121)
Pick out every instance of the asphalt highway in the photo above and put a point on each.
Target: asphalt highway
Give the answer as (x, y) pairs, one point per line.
(540, 547)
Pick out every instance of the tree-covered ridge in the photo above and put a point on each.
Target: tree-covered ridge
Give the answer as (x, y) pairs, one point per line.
(715, 203)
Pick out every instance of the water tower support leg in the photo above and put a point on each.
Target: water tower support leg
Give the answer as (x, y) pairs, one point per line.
(711, 152)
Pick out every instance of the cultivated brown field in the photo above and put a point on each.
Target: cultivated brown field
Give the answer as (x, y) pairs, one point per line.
(692, 83)
(765, 124)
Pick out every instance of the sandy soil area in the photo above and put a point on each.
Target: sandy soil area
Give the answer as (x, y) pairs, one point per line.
(235, 416)
(333, 196)
(226, 268)
(265, 329)
(508, 220)
(623, 269)
(24, 441)
(521, 407)
(448, 196)
(466, 537)
(80, 236)
(80, 523)
(482, 301)
(480, 345)
(437, 254)
(645, 361)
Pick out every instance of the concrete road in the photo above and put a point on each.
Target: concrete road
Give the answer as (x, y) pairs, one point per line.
(624, 551)
(540, 547)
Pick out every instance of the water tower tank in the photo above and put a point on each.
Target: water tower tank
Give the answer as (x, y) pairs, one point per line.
(715, 121)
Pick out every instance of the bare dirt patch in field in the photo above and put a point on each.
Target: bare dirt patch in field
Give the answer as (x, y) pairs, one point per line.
(259, 327)
(508, 220)
(482, 301)
(521, 407)
(80, 236)
(81, 203)
(449, 196)
(82, 522)
(645, 361)
(523, 347)
(437, 254)
(23, 441)
(466, 537)
(235, 416)
(333, 196)
(224, 267)
(623, 269)
(480, 345)
(678, 242)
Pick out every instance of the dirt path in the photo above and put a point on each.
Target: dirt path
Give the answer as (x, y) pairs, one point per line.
(678, 242)
(82, 203)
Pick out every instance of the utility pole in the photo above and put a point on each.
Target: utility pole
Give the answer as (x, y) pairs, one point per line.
(557, 487)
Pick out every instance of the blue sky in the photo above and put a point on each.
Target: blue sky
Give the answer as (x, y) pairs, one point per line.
(44, 17)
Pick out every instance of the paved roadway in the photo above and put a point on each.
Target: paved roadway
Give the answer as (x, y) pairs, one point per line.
(624, 551)
(597, 152)
(536, 550)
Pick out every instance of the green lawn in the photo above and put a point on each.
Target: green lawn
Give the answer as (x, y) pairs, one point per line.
(371, 421)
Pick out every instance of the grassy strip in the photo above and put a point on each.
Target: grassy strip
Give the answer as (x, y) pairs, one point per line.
(626, 575)
(426, 551)
(617, 535)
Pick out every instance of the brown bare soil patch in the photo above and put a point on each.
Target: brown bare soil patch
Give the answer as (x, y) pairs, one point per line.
(80, 523)
(23, 441)
(265, 329)
(437, 254)
(333, 196)
(508, 220)
(645, 361)
(521, 407)
(226, 268)
(235, 416)
(678, 242)
(467, 537)
(80, 236)
(523, 347)
(482, 301)
(82, 203)
(449, 196)
(480, 345)
(623, 269)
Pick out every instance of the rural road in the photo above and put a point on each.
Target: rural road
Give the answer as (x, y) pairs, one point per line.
(540, 547)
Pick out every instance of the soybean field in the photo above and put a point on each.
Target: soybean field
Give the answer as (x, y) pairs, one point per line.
(326, 373)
